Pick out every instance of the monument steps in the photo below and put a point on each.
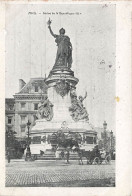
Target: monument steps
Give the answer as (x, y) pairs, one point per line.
(73, 156)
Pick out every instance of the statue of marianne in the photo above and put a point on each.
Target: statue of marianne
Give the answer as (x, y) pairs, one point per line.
(64, 51)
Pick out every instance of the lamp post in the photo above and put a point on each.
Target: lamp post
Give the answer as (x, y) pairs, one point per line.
(105, 125)
(28, 152)
(111, 141)
(105, 135)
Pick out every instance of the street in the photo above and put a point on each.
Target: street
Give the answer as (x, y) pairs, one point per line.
(58, 174)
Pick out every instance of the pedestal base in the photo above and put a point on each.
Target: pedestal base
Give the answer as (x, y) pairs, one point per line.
(43, 126)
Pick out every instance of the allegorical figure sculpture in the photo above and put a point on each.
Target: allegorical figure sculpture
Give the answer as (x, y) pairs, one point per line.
(77, 110)
(64, 51)
(45, 110)
(62, 87)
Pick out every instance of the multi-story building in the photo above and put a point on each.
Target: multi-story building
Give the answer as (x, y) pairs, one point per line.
(24, 106)
(10, 114)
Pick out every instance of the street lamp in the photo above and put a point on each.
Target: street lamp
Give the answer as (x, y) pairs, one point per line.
(28, 153)
(105, 134)
(105, 125)
(111, 138)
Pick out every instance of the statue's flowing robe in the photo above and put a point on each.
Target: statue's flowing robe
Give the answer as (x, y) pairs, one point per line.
(64, 48)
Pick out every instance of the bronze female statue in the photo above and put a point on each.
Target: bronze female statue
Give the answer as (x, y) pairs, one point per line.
(64, 51)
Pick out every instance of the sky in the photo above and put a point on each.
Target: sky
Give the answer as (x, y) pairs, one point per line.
(31, 51)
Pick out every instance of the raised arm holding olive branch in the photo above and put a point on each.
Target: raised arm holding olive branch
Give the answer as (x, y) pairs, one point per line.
(49, 22)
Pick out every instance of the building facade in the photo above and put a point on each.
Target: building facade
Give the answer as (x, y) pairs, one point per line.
(10, 114)
(24, 105)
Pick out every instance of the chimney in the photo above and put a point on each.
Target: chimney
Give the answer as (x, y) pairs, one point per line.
(21, 84)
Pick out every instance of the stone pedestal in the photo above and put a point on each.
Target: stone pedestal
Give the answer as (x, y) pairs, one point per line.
(60, 82)
(61, 105)
(61, 73)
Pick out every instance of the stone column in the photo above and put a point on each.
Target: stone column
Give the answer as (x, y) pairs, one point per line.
(61, 105)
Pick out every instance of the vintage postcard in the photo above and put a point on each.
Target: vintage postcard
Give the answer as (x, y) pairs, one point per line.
(66, 83)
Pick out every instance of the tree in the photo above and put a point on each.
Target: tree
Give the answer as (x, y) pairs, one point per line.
(15, 147)
(67, 141)
(10, 138)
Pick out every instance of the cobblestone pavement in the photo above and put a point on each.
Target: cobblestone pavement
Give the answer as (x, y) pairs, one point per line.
(58, 173)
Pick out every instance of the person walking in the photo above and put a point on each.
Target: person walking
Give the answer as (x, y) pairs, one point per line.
(67, 156)
(8, 156)
(80, 157)
(62, 155)
(57, 154)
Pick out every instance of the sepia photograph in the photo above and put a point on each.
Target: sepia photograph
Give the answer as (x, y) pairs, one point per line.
(60, 92)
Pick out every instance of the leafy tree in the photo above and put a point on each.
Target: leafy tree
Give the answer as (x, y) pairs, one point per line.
(10, 138)
(67, 141)
(12, 144)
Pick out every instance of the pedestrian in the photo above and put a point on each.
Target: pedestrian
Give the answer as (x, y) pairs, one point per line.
(8, 156)
(80, 157)
(57, 154)
(62, 154)
(103, 153)
(67, 156)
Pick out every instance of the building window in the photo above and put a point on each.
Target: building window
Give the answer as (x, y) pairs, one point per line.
(23, 106)
(89, 140)
(36, 88)
(22, 129)
(23, 119)
(9, 120)
(35, 106)
(37, 140)
(11, 107)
